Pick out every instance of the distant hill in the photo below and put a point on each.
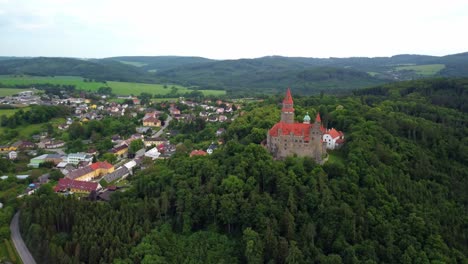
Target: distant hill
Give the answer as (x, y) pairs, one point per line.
(159, 63)
(259, 75)
(95, 69)
(266, 74)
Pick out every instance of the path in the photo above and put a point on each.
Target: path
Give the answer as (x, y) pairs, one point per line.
(21, 248)
(159, 133)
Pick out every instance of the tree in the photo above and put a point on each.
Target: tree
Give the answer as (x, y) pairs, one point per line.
(109, 157)
(135, 145)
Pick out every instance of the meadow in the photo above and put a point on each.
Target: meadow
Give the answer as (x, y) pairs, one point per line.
(10, 80)
(10, 112)
(426, 70)
(9, 91)
(119, 88)
(26, 131)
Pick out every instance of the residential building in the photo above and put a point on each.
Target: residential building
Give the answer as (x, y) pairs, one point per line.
(66, 184)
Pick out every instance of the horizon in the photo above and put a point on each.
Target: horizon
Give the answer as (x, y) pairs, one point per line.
(242, 29)
(240, 58)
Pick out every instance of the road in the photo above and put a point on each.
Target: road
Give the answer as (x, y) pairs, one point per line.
(21, 248)
(159, 133)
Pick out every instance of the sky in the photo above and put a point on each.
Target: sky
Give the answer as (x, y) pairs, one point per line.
(220, 29)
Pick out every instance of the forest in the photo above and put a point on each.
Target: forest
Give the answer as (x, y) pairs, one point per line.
(395, 192)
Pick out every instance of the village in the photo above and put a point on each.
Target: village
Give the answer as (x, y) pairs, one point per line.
(92, 172)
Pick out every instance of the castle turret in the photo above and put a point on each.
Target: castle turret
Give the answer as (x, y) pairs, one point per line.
(307, 118)
(287, 112)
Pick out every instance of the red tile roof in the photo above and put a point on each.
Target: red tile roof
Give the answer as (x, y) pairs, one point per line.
(288, 98)
(298, 129)
(66, 183)
(198, 153)
(318, 119)
(334, 133)
(101, 165)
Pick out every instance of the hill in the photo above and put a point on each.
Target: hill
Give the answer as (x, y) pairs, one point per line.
(158, 63)
(395, 192)
(100, 70)
(247, 76)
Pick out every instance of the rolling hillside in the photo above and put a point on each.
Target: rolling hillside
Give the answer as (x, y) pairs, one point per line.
(260, 75)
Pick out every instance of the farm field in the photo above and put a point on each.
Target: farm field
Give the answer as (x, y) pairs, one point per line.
(127, 88)
(79, 82)
(9, 91)
(119, 88)
(426, 70)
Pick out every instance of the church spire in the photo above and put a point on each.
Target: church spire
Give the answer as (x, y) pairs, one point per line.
(287, 113)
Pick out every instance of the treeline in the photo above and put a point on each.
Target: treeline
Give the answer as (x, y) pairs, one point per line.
(37, 114)
(395, 193)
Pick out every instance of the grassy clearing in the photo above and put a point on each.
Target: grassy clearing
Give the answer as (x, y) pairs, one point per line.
(9, 91)
(134, 63)
(29, 130)
(426, 70)
(159, 100)
(213, 92)
(372, 73)
(10, 112)
(79, 82)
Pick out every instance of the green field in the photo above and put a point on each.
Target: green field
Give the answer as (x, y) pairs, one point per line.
(9, 91)
(29, 130)
(119, 88)
(10, 112)
(126, 88)
(79, 82)
(426, 70)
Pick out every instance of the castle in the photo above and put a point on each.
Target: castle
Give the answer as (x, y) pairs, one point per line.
(287, 138)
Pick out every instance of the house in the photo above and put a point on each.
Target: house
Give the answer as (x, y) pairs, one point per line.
(36, 161)
(75, 158)
(220, 110)
(220, 131)
(151, 119)
(120, 150)
(154, 141)
(198, 152)
(333, 138)
(27, 145)
(91, 171)
(119, 173)
(222, 118)
(7, 148)
(143, 130)
(211, 148)
(174, 111)
(12, 155)
(66, 184)
(152, 153)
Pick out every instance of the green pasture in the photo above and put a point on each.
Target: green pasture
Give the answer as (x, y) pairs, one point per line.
(9, 91)
(426, 70)
(119, 88)
(10, 80)
(127, 88)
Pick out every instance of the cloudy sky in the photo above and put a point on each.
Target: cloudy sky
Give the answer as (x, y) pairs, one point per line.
(232, 29)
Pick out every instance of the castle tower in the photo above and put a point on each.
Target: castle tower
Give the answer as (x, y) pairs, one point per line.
(287, 113)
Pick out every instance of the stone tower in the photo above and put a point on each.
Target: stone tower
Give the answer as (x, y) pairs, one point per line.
(287, 112)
